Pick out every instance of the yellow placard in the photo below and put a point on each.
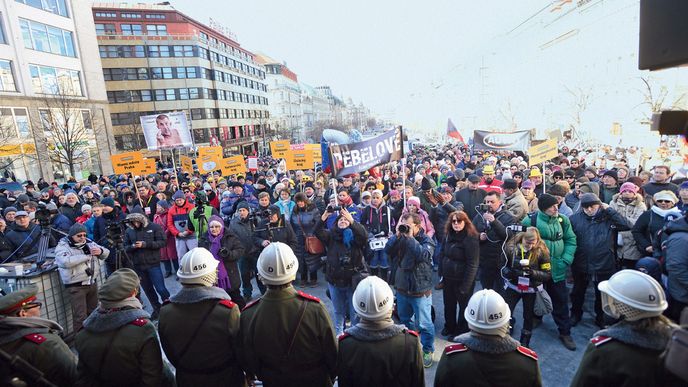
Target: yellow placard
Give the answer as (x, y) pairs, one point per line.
(187, 164)
(148, 167)
(543, 152)
(299, 160)
(209, 158)
(233, 165)
(17, 149)
(127, 162)
(279, 149)
(316, 150)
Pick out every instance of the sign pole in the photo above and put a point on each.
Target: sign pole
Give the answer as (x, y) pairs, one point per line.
(403, 179)
(543, 177)
(174, 167)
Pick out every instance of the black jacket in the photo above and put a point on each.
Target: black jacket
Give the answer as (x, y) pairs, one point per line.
(595, 237)
(153, 240)
(242, 230)
(460, 258)
(538, 272)
(342, 260)
(470, 199)
(24, 242)
(491, 248)
(281, 232)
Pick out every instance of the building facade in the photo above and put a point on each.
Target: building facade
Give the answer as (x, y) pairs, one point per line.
(156, 59)
(54, 118)
(285, 98)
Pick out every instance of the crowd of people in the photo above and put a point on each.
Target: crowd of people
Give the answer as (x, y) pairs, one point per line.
(446, 219)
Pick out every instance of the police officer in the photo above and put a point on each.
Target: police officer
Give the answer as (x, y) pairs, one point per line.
(377, 352)
(35, 340)
(118, 345)
(287, 336)
(199, 326)
(487, 355)
(628, 352)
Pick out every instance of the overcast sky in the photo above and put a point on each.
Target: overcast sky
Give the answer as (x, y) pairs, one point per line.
(487, 65)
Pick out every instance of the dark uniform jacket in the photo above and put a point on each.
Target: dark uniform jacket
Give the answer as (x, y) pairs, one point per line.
(269, 324)
(487, 361)
(199, 330)
(621, 356)
(389, 357)
(40, 346)
(119, 348)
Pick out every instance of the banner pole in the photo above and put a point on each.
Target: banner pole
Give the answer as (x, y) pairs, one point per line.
(544, 181)
(334, 190)
(174, 167)
(403, 179)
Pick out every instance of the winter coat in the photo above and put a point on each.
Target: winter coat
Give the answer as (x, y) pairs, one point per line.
(491, 248)
(24, 241)
(72, 261)
(628, 248)
(517, 205)
(460, 258)
(303, 223)
(353, 210)
(178, 219)
(470, 199)
(281, 232)
(607, 193)
(169, 252)
(572, 201)
(61, 223)
(675, 250)
(537, 272)
(286, 208)
(377, 220)
(596, 236)
(71, 212)
(100, 228)
(230, 251)
(439, 215)
(153, 241)
(242, 229)
(339, 269)
(411, 263)
(647, 227)
(5, 247)
(560, 239)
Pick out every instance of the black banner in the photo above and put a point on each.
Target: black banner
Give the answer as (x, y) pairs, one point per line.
(360, 156)
(517, 141)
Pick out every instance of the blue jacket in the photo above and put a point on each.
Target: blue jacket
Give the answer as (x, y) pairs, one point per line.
(595, 237)
(411, 263)
(675, 250)
(353, 210)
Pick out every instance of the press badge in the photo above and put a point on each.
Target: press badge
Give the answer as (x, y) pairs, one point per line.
(523, 283)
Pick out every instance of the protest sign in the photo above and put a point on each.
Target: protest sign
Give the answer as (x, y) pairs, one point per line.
(360, 156)
(127, 162)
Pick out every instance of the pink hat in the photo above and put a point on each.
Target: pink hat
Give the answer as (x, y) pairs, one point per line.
(629, 187)
(413, 200)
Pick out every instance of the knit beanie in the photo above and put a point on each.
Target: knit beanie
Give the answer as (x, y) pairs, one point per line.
(546, 201)
(178, 195)
(109, 202)
(164, 204)
(77, 228)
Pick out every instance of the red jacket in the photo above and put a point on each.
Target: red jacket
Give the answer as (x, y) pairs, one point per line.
(178, 216)
(495, 185)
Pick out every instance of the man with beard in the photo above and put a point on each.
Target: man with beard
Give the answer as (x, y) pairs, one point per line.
(514, 202)
(491, 225)
(471, 196)
(489, 183)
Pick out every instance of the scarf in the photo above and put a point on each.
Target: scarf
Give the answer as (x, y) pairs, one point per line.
(130, 302)
(347, 202)
(674, 212)
(346, 235)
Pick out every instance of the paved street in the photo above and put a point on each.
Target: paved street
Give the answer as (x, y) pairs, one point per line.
(556, 362)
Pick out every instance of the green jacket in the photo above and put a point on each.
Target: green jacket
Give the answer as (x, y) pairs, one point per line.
(267, 326)
(208, 211)
(558, 235)
(209, 325)
(45, 351)
(119, 349)
(394, 351)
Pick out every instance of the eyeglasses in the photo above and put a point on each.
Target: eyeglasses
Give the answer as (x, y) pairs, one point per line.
(455, 221)
(371, 189)
(557, 178)
(570, 177)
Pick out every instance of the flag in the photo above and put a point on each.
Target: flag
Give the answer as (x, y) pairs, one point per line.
(453, 132)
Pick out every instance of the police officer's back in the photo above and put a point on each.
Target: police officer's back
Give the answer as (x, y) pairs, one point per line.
(287, 336)
(487, 355)
(199, 326)
(377, 352)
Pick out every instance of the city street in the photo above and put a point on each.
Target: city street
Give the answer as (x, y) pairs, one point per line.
(557, 364)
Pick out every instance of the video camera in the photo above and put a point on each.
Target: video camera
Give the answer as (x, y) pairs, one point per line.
(483, 207)
(517, 228)
(404, 228)
(332, 208)
(115, 231)
(43, 215)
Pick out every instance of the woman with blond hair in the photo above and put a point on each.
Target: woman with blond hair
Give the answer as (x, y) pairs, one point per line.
(527, 268)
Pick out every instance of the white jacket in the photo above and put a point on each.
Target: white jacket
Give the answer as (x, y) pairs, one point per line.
(72, 262)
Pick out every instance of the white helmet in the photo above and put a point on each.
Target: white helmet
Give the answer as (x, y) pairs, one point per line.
(277, 264)
(633, 295)
(488, 313)
(373, 299)
(198, 267)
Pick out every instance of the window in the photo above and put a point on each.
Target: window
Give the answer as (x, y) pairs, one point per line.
(197, 114)
(203, 53)
(170, 95)
(6, 76)
(167, 73)
(121, 118)
(141, 95)
(131, 29)
(156, 29)
(2, 35)
(46, 38)
(203, 36)
(183, 51)
(108, 51)
(130, 15)
(183, 93)
(86, 118)
(105, 29)
(106, 14)
(159, 51)
(57, 7)
(155, 16)
(192, 72)
(53, 80)
(160, 95)
(14, 122)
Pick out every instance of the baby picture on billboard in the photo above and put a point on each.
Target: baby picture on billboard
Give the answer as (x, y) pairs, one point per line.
(166, 130)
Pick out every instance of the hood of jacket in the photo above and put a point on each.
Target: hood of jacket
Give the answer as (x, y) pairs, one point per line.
(136, 217)
(679, 225)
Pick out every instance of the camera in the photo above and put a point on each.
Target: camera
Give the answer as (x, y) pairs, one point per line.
(404, 228)
(516, 228)
(43, 215)
(331, 208)
(345, 261)
(482, 207)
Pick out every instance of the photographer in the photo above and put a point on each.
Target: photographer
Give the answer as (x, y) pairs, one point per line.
(79, 265)
(110, 218)
(273, 229)
(411, 251)
(345, 246)
(24, 237)
(378, 221)
(198, 218)
(491, 222)
(143, 241)
(58, 222)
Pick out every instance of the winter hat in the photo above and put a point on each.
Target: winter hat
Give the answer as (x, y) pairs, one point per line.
(651, 267)
(535, 173)
(243, 204)
(164, 204)
(8, 210)
(307, 185)
(207, 187)
(77, 228)
(683, 185)
(274, 210)
(86, 207)
(51, 207)
(510, 184)
(413, 200)
(665, 195)
(365, 194)
(426, 184)
(528, 185)
(591, 169)
(178, 195)
(119, 285)
(558, 190)
(546, 201)
(612, 173)
(589, 199)
(108, 202)
(264, 183)
(629, 187)
(459, 174)
(226, 194)
(23, 198)
(473, 178)
(583, 179)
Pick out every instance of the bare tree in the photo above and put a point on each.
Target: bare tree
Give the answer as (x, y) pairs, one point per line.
(580, 101)
(507, 113)
(654, 98)
(68, 127)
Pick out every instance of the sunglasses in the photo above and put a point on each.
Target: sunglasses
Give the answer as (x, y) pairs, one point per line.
(557, 178)
(665, 201)
(371, 189)
(455, 221)
(80, 235)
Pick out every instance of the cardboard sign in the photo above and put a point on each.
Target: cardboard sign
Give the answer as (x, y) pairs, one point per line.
(209, 158)
(317, 151)
(148, 167)
(542, 152)
(253, 163)
(127, 162)
(279, 149)
(187, 164)
(299, 160)
(233, 165)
